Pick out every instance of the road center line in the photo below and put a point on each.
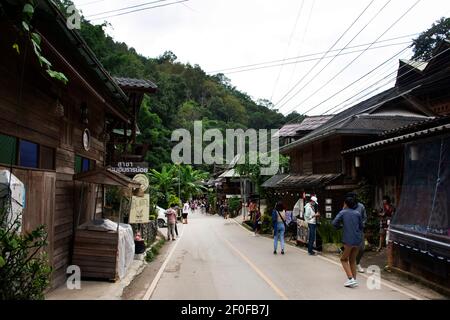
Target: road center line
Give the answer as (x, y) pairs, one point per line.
(257, 270)
(155, 281)
(383, 282)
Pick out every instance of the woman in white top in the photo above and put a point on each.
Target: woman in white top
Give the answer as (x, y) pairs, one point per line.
(185, 212)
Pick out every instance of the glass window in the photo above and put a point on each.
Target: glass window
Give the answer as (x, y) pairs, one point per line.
(78, 162)
(8, 147)
(83, 164)
(28, 154)
(47, 158)
(86, 165)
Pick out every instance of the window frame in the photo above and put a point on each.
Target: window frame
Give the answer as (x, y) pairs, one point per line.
(16, 163)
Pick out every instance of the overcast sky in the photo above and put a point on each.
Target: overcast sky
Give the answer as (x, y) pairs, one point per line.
(222, 34)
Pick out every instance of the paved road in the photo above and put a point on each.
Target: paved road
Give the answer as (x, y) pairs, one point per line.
(219, 259)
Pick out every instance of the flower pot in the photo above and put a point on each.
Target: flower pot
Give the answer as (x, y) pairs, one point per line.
(330, 247)
(139, 246)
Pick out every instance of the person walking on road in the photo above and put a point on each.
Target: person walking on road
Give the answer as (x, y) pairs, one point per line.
(225, 209)
(362, 211)
(279, 226)
(185, 212)
(171, 215)
(311, 216)
(257, 222)
(351, 221)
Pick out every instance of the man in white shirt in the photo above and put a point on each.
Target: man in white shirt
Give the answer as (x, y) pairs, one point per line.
(310, 218)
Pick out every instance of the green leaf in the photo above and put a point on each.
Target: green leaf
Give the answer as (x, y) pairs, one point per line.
(36, 38)
(25, 26)
(28, 9)
(45, 61)
(2, 262)
(58, 75)
(16, 47)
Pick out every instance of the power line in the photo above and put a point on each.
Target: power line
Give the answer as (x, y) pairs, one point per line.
(377, 82)
(302, 39)
(334, 44)
(307, 55)
(124, 8)
(315, 59)
(317, 74)
(142, 9)
(349, 64)
(287, 50)
(356, 81)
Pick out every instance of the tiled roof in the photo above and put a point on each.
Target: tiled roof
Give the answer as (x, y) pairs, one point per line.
(130, 83)
(357, 119)
(420, 125)
(401, 139)
(308, 124)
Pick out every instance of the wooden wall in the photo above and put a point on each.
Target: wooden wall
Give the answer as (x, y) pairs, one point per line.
(30, 114)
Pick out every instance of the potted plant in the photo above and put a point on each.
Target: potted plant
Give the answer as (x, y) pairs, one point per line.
(331, 238)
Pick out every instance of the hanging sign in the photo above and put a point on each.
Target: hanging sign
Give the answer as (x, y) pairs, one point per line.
(140, 209)
(143, 180)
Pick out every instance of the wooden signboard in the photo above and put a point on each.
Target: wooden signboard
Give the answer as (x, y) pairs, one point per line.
(140, 209)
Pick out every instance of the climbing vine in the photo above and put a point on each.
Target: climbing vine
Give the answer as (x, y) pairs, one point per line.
(36, 40)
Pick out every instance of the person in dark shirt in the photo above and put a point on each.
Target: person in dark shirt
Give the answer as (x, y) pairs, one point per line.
(351, 221)
(362, 210)
(385, 214)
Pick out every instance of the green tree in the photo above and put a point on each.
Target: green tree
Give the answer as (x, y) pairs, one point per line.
(427, 41)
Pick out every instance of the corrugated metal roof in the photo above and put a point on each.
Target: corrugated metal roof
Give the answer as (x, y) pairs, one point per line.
(273, 181)
(230, 174)
(300, 181)
(400, 139)
(419, 65)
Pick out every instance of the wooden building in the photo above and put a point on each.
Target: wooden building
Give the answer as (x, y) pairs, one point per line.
(416, 157)
(50, 131)
(317, 166)
(419, 233)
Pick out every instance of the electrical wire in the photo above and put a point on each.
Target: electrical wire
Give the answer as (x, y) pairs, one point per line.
(305, 31)
(315, 59)
(288, 47)
(307, 55)
(334, 44)
(124, 8)
(354, 37)
(141, 9)
(349, 64)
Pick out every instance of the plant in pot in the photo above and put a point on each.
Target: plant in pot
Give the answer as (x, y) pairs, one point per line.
(331, 238)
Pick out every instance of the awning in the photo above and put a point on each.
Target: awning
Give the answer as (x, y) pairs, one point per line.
(273, 181)
(400, 139)
(230, 174)
(300, 181)
(106, 177)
